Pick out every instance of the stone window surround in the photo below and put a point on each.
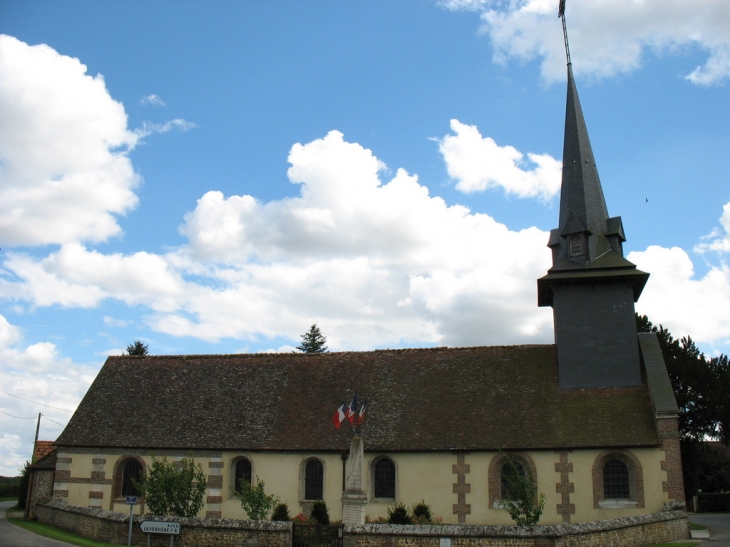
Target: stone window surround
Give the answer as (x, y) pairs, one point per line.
(116, 496)
(495, 474)
(636, 480)
(302, 477)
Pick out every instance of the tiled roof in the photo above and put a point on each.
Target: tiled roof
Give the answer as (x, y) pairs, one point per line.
(42, 449)
(478, 398)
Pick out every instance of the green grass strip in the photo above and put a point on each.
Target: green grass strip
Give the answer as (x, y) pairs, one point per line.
(694, 526)
(56, 533)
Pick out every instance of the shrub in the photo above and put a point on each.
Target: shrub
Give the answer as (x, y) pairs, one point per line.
(525, 509)
(422, 513)
(174, 488)
(255, 501)
(398, 514)
(320, 513)
(281, 512)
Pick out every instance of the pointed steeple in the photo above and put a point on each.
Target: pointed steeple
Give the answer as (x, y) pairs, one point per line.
(591, 286)
(582, 205)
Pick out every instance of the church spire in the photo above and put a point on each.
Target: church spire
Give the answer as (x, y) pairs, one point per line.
(591, 286)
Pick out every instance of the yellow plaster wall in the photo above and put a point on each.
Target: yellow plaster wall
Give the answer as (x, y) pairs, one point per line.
(420, 476)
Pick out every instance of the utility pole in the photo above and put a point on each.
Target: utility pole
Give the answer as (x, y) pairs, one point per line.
(35, 442)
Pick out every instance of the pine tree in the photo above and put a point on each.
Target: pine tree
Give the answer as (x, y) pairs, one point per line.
(138, 348)
(313, 341)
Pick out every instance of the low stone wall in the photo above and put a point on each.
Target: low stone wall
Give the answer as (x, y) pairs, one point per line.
(113, 528)
(623, 532)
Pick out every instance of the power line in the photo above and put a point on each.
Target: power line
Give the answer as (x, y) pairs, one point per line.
(19, 417)
(34, 402)
(54, 421)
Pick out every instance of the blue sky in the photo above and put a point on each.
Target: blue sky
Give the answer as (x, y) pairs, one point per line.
(215, 177)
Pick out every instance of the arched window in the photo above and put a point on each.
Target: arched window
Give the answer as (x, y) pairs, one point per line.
(127, 469)
(313, 480)
(384, 478)
(511, 472)
(503, 470)
(616, 480)
(242, 472)
(131, 472)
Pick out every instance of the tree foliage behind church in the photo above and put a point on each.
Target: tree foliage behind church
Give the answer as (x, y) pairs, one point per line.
(137, 348)
(701, 385)
(313, 341)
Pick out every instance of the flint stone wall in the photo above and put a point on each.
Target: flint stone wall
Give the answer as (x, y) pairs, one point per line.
(113, 528)
(622, 532)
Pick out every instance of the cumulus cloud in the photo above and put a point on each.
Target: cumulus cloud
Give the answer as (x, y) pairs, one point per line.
(607, 37)
(63, 150)
(478, 163)
(683, 303)
(75, 276)
(373, 260)
(30, 375)
(719, 239)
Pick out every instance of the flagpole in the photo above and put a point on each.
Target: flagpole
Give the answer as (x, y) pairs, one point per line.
(561, 14)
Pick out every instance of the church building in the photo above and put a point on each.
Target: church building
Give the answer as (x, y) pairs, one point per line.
(592, 418)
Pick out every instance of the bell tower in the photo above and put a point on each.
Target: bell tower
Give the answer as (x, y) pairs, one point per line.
(591, 287)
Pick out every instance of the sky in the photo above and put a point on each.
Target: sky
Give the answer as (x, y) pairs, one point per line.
(215, 177)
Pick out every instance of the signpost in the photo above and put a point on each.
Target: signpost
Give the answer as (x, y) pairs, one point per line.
(160, 527)
(131, 501)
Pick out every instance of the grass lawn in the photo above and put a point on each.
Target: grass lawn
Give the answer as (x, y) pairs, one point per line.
(693, 526)
(9, 499)
(56, 533)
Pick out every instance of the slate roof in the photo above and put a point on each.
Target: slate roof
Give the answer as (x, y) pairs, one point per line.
(477, 398)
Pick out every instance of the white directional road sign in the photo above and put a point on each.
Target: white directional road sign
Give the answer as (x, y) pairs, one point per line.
(158, 527)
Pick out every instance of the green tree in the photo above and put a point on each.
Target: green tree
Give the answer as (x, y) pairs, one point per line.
(524, 506)
(174, 488)
(700, 385)
(137, 348)
(313, 341)
(24, 484)
(255, 501)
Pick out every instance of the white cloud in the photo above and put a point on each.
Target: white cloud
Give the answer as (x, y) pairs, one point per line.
(607, 37)
(65, 172)
(149, 128)
(478, 163)
(75, 276)
(684, 304)
(719, 239)
(152, 100)
(30, 375)
(374, 262)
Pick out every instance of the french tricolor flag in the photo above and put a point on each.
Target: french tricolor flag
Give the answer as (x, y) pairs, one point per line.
(352, 410)
(361, 414)
(339, 416)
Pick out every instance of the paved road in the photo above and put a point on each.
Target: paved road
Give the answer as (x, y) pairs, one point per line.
(14, 536)
(719, 526)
